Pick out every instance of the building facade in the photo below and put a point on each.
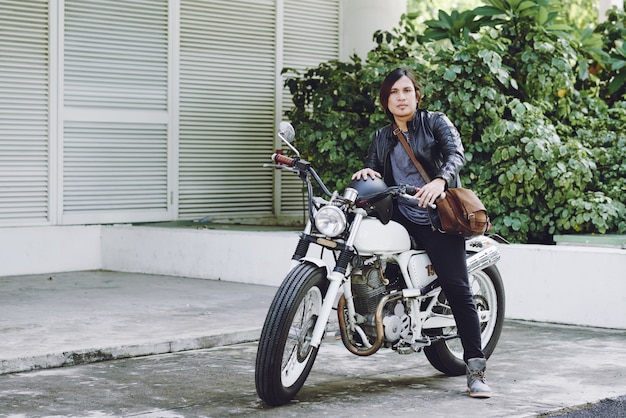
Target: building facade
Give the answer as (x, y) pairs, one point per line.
(151, 110)
(127, 111)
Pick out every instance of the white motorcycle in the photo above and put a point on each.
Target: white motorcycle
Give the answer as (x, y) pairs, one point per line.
(385, 292)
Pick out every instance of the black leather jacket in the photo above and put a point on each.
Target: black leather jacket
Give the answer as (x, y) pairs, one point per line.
(435, 142)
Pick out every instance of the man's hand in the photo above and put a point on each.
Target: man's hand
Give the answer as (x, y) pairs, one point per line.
(364, 173)
(430, 192)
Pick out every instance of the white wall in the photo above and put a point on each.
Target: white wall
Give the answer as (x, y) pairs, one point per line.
(248, 257)
(566, 284)
(49, 249)
(361, 18)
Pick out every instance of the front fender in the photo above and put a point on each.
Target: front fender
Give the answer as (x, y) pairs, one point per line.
(312, 260)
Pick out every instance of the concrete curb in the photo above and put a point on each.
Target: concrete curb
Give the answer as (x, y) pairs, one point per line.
(94, 355)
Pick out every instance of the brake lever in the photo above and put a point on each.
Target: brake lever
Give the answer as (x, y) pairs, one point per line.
(408, 196)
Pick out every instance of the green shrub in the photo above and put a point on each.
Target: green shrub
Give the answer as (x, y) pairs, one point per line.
(545, 149)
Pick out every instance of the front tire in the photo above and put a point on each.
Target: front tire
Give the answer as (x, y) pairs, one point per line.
(285, 356)
(488, 291)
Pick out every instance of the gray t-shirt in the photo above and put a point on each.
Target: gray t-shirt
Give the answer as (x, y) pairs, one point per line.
(404, 172)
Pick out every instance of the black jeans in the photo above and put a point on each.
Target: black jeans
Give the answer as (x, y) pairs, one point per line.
(447, 253)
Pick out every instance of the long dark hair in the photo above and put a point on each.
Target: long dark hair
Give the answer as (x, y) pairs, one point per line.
(389, 81)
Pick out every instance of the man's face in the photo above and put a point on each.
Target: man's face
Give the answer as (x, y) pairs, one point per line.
(402, 101)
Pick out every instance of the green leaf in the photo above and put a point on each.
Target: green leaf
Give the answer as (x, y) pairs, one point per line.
(526, 5)
(617, 83)
(559, 27)
(449, 75)
(437, 24)
(488, 11)
(542, 16)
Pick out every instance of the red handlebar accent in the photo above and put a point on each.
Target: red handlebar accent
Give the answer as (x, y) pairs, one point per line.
(282, 159)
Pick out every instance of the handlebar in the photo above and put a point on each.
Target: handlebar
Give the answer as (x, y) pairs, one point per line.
(283, 159)
(302, 167)
(395, 191)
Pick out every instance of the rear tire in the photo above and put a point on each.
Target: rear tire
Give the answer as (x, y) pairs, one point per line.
(285, 356)
(488, 291)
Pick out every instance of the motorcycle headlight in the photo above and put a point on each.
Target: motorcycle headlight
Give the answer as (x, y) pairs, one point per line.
(330, 221)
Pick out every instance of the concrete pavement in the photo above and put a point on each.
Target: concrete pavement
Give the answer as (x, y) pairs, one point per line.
(73, 318)
(65, 319)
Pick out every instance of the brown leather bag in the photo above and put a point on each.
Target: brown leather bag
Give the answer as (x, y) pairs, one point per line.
(460, 211)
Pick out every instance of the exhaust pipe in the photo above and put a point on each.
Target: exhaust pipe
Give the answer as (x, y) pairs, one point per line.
(483, 259)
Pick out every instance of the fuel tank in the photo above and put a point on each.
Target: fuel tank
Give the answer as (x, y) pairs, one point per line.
(375, 238)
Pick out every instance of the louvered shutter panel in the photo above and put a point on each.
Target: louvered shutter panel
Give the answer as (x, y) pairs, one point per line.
(227, 107)
(115, 115)
(311, 36)
(24, 79)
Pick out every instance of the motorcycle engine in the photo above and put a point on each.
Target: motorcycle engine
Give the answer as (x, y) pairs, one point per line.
(368, 289)
(369, 286)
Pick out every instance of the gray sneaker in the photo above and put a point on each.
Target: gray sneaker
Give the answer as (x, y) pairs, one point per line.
(476, 379)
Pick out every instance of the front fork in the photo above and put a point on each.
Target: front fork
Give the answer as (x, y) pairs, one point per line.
(336, 279)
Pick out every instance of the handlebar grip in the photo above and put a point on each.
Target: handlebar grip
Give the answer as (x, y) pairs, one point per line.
(411, 190)
(283, 159)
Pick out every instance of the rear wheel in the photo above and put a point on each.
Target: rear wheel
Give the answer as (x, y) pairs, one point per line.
(285, 355)
(488, 291)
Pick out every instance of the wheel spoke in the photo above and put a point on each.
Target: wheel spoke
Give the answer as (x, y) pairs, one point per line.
(298, 347)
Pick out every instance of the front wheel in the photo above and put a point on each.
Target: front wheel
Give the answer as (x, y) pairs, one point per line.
(285, 355)
(488, 293)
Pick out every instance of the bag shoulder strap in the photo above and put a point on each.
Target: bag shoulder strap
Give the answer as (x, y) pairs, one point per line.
(407, 147)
